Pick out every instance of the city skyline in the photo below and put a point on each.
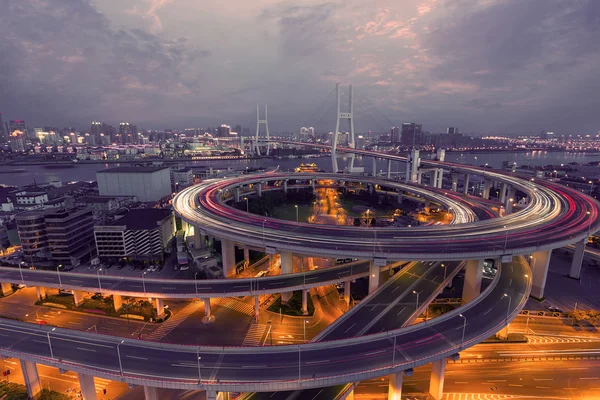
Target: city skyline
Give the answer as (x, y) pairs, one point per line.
(172, 64)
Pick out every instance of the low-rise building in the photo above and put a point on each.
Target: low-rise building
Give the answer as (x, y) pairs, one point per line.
(139, 233)
(146, 183)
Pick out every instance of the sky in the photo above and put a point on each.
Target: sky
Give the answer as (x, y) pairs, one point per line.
(484, 66)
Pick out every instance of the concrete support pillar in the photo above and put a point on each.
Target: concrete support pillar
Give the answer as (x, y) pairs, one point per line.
(466, 189)
(419, 177)
(237, 194)
(118, 301)
(211, 395)
(539, 263)
(259, 189)
(41, 292)
(160, 308)
(312, 183)
(311, 263)
(487, 185)
(577, 261)
(436, 383)
(473, 275)
(503, 333)
(286, 268)
(256, 307)
(32, 378)
(6, 288)
(150, 393)
(433, 177)
(211, 241)
(440, 178)
(454, 182)
(285, 183)
(88, 387)
(374, 274)
(199, 239)
(389, 169)
(374, 166)
(228, 257)
(184, 226)
(78, 297)
(246, 257)
(350, 396)
(395, 386)
(503, 193)
(509, 201)
(400, 197)
(208, 317)
(347, 292)
(305, 302)
(370, 188)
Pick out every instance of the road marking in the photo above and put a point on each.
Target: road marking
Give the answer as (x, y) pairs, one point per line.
(316, 362)
(172, 288)
(346, 331)
(240, 286)
(497, 380)
(84, 349)
(137, 358)
(542, 387)
(462, 382)
(403, 308)
(543, 379)
(595, 377)
(510, 384)
(374, 352)
(254, 366)
(577, 368)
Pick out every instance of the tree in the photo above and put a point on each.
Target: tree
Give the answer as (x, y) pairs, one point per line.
(356, 221)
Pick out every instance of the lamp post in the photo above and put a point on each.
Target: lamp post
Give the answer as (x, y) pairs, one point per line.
(296, 207)
(591, 186)
(199, 370)
(443, 266)
(50, 344)
(263, 230)
(304, 326)
(58, 272)
(98, 273)
(507, 312)
(464, 328)
(417, 293)
(21, 271)
(247, 207)
(505, 238)
(196, 282)
(143, 281)
(119, 355)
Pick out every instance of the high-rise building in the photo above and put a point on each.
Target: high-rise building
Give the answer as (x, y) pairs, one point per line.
(238, 129)
(395, 135)
(3, 132)
(95, 131)
(411, 133)
(223, 131)
(31, 226)
(18, 132)
(452, 130)
(128, 133)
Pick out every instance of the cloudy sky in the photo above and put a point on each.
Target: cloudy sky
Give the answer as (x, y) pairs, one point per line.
(481, 65)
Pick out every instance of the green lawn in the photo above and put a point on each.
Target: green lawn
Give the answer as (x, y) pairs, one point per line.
(288, 212)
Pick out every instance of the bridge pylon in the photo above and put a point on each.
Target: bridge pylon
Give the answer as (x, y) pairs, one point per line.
(345, 116)
(258, 124)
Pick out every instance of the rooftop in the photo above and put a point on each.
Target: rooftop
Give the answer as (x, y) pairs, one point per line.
(143, 218)
(142, 170)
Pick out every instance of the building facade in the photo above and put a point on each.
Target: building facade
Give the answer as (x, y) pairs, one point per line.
(146, 183)
(139, 234)
(31, 226)
(411, 133)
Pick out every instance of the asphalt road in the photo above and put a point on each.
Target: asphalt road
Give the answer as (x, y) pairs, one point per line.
(280, 363)
(176, 288)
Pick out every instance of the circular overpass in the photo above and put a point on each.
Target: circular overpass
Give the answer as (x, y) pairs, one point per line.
(555, 216)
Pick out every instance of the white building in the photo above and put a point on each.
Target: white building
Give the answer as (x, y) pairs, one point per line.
(146, 183)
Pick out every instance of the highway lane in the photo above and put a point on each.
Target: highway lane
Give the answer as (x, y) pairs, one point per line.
(310, 365)
(181, 288)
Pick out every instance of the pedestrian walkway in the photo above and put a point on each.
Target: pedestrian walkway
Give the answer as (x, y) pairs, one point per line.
(254, 335)
(174, 321)
(234, 303)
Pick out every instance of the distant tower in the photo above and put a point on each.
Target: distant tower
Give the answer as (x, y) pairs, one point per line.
(258, 122)
(342, 115)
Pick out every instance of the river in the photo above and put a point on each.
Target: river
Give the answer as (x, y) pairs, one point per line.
(87, 172)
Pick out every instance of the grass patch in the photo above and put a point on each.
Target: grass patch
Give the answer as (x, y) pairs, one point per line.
(15, 391)
(288, 212)
(294, 306)
(104, 306)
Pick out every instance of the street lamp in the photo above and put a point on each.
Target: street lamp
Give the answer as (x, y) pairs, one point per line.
(247, 208)
(196, 282)
(443, 266)
(507, 312)
(98, 273)
(119, 355)
(199, 370)
(417, 293)
(50, 344)
(58, 272)
(591, 186)
(506, 238)
(304, 326)
(263, 230)
(21, 271)
(464, 327)
(143, 281)
(296, 207)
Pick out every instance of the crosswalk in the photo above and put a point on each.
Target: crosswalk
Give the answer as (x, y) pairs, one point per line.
(254, 335)
(236, 304)
(100, 385)
(173, 322)
(535, 339)
(490, 396)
